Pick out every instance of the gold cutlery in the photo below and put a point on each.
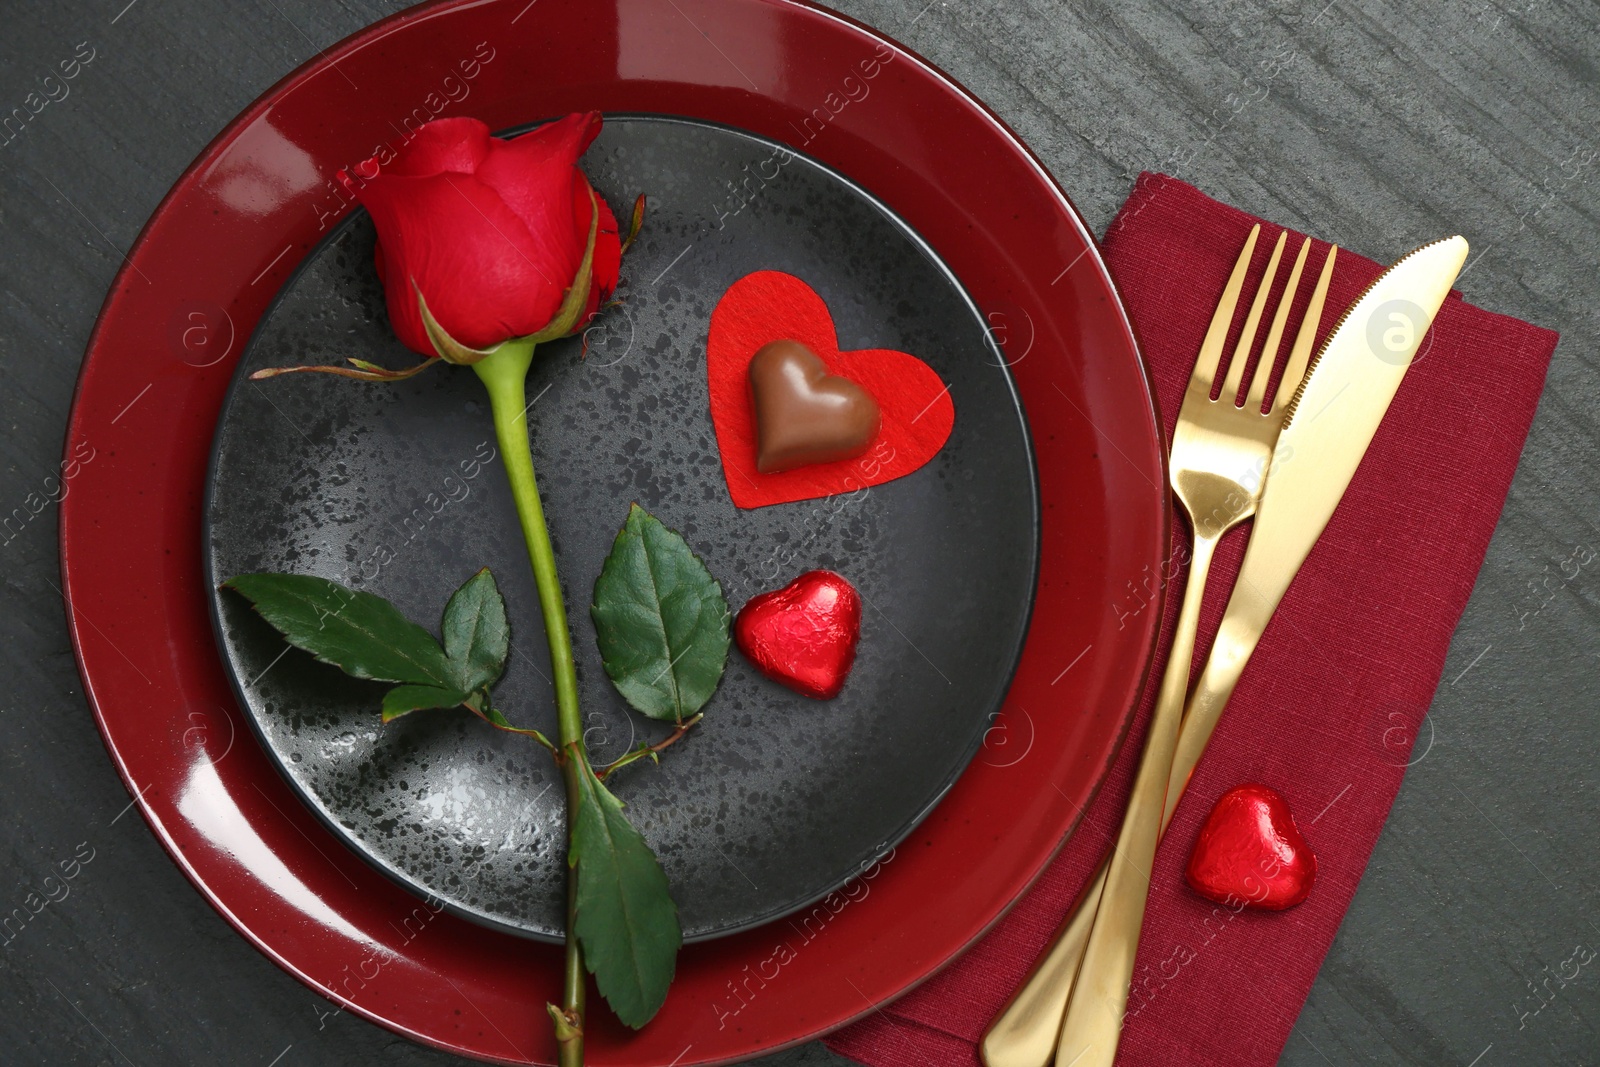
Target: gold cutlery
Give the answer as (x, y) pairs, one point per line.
(1025, 1032)
(1331, 421)
(1221, 453)
(1327, 427)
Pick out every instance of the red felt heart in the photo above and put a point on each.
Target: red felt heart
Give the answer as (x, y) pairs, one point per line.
(768, 305)
(803, 635)
(1250, 850)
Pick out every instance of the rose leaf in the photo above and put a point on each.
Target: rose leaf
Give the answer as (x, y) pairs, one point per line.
(477, 636)
(625, 919)
(362, 634)
(661, 620)
(406, 698)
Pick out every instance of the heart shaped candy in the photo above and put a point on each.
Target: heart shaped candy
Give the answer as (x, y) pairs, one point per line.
(916, 411)
(1250, 850)
(804, 635)
(804, 414)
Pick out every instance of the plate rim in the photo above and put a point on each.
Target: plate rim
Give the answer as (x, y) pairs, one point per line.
(215, 148)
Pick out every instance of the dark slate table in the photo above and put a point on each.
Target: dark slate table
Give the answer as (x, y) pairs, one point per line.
(1371, 124)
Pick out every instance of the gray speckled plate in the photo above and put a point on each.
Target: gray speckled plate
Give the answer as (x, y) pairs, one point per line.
(774, 800)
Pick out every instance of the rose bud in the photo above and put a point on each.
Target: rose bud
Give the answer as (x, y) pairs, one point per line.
(486, 237)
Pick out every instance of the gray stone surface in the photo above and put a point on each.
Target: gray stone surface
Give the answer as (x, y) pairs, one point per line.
(1371, 124)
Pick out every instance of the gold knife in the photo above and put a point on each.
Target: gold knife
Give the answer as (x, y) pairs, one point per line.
(1331, 421)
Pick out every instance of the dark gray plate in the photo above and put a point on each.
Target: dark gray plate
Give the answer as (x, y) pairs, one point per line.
(774, 800)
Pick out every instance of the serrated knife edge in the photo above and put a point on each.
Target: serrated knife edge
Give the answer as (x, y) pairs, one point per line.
(1344, 395)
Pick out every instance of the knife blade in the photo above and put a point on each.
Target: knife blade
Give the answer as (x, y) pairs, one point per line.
(1329, 424)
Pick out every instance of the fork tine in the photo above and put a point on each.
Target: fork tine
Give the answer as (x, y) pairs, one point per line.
(1205, 364)
(1269, 347)
(1247, 336)
(1305, 340)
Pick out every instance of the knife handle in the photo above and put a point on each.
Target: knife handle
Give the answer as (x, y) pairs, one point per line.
(1024, 1033)
(1099, 998)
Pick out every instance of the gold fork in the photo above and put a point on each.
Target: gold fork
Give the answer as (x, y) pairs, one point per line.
(1221, 455)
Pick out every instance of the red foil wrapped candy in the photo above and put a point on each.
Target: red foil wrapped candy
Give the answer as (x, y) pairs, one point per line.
(804, 635)
(1250, 850)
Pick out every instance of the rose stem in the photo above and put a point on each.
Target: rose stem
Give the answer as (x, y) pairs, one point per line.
(648, 750)
(504, 373)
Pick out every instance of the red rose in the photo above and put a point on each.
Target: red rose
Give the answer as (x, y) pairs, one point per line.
(490, 232)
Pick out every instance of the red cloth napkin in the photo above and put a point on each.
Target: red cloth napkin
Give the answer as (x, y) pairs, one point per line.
(1328, 708)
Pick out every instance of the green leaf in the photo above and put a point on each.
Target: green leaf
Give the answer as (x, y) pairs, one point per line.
(625, 919)
(477, 637)
(405, 698)
(661, 620)
(362, 634)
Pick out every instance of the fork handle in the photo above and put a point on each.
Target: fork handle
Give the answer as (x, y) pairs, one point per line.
(1026, 1030)
(1099, 997)
(1243, 622)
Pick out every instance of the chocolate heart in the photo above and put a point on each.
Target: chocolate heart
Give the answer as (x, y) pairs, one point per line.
(804, 414)
(1250, 850)
(804, 635)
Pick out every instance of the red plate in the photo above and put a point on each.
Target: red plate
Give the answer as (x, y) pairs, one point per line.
(235, 226)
